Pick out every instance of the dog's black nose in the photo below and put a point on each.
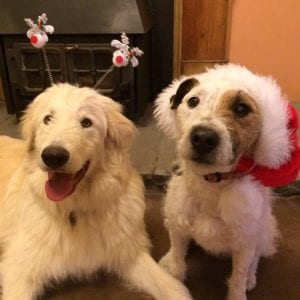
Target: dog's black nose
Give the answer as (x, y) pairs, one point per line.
(204, 139)
(55, 156)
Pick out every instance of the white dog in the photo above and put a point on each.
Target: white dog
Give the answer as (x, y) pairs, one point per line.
(236, 135)
(71, 203)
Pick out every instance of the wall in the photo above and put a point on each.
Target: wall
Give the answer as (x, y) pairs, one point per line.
(265, 37)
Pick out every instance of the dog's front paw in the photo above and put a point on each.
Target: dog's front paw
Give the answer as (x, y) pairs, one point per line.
(174, 267)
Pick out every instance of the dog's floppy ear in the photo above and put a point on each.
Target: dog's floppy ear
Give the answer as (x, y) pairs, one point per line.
(120, 130)
(182, 90)
(28, 125)
(167, 102)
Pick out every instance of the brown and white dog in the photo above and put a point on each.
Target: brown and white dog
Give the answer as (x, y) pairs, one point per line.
(221, 119)
(71, 202)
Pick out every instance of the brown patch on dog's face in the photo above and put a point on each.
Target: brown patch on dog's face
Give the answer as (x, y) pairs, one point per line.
(243, 120)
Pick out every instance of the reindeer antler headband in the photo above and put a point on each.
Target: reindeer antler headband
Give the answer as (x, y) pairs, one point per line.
(38, 31)
(121, 57)
(38, 37)
(125, 53)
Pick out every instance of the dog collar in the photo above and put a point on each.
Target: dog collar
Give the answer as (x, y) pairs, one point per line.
(235, 174)
(218, 177)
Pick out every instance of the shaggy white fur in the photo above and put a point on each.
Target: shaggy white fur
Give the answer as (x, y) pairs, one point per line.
(272, 103)
(233, 216)
(97, 224)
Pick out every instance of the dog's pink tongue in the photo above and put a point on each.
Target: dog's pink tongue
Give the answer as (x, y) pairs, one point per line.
(59, 186)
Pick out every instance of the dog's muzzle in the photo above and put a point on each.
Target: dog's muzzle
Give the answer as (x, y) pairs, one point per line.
(204, 141)
(55, 157)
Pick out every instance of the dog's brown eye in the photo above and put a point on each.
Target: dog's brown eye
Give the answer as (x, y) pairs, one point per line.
(193, 102)
(48, 119)
(86, 123)
(241, 110)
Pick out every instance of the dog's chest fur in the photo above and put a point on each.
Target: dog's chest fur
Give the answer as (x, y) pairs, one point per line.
(85, 225)
(196, 207)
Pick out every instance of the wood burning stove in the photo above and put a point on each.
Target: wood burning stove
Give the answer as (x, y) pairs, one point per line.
(79, 52)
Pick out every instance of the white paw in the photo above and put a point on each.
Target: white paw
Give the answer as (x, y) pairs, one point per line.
(175, 268)
(251, 282)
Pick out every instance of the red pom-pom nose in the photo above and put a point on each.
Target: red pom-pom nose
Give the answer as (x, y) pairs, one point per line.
(34, 39)
(119, 59)
(38, 40)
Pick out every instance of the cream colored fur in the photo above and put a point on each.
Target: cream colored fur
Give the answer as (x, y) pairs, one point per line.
(38, 242)
(232, 216)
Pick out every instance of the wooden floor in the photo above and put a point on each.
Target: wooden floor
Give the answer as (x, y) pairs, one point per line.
(8, 123)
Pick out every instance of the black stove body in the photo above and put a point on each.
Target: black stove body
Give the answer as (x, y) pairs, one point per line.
(79, 51)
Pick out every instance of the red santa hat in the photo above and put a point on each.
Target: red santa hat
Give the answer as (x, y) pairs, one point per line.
(287, 172)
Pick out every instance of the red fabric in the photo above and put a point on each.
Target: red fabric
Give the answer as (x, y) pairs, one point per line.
(286, 173)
